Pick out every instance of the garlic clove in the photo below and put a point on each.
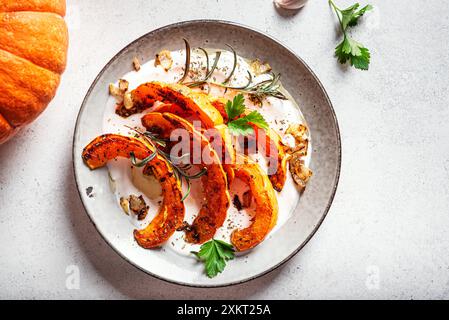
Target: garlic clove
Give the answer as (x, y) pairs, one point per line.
(290, 4)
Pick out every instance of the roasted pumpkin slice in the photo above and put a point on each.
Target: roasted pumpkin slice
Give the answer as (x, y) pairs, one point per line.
(186, 103)
(213, 212)
(179, 99)
(273, 149)
(219, 138)
(110, 146)
(220, 105)
(171, 213)
(156, 123)
(265, 202)
(271, 146)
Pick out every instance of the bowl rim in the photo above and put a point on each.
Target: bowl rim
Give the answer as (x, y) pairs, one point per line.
(262, 34)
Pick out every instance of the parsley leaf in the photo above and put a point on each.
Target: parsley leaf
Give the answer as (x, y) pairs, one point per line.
(242, 125)
(355, 17)
(362, 61)
(347, 15)
(353, 51)
(256, 118)
(236, 107)
(214, 254)
(349, 49)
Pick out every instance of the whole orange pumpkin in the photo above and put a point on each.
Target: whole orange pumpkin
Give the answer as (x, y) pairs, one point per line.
(33, 52)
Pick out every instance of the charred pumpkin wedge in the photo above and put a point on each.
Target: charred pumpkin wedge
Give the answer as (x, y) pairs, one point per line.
(274, 152)
(179, 99)
(171, 213)
(265, 201)
(228, 154)
(220, 105)
(110, 146)
(270, 143)
(219, 138)
(189, 104)
(215, 186)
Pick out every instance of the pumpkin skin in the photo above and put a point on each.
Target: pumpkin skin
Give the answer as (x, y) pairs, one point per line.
(272, 149)
(214, 183)
(179, 99)
(55, 6)
(266, 202)
(33, 52)
(171, 213)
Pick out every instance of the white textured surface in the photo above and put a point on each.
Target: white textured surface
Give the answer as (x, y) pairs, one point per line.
(390, 217)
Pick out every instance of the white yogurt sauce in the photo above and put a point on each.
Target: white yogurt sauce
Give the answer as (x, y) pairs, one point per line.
(278, 113)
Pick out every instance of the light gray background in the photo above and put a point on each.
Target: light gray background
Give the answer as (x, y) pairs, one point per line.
(387, 233)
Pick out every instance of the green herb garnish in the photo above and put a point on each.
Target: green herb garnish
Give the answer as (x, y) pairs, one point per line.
(143, 162)
(208, 72)
(175, 162)
(242, 125)
(207, 58)
(214, 254)
(349, 49)
(187, 65)
(258, 91)
(270, 87)
(234, 65)
(235, 107)
(155, 138)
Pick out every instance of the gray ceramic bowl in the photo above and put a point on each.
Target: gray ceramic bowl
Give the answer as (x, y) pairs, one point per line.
(306, 89)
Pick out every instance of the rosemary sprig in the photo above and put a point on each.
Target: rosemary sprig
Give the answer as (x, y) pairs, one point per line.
(144, 161)
(187, 179)
(179, 168)
(189, 187)
(250, 80)
(234, 65)
(201, 173)
(154, 137)
(207, 58)
(172, 157)
(270, 87)
(187, 66)
(209, 74)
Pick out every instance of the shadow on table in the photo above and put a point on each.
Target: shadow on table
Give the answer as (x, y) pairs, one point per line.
(129, 280)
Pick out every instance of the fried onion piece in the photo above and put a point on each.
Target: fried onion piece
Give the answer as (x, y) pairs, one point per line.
(214, 182)
(300, 173)
(265, 200)
(301, 136)
(164, 59)
(183, 101)
(171, 213)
